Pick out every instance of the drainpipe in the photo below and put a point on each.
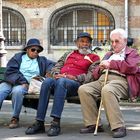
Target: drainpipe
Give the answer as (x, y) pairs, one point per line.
(3, 52)
(126, 16)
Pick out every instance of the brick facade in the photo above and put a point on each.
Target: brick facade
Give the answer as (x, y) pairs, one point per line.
(34, 3)
(47, 3)
(36, 23)
(134, 22)
(37, 15)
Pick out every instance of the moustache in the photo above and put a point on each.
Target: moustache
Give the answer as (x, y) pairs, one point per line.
(85, 50)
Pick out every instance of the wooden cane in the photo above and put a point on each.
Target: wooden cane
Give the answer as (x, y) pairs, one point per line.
(100, 107)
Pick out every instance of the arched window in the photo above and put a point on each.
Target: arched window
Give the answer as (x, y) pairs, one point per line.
(14, 27)
(70, 21)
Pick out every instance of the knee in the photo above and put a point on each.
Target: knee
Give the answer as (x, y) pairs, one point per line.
(81, 90)
(61, 82)
(106, 92)
(47, 82)
(17, 92)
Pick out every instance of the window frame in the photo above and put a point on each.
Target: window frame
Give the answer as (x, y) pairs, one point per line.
(59, 13)
(20, 32)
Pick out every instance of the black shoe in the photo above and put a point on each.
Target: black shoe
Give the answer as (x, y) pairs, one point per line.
(91, 129)
(54, 129)
(119, 132)
(37, 127)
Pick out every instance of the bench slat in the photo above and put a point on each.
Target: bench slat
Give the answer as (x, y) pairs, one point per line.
(31, 96)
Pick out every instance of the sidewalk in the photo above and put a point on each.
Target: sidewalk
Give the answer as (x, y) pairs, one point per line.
(70, 124)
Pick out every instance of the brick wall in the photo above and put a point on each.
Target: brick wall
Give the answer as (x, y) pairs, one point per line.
(34, 3)
(134, 17)
(134, 2)
(134, 22)
(46, 3)
(37, 25)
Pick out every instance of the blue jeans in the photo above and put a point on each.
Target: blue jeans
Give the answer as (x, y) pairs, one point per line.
(17, 93)
(60, 88)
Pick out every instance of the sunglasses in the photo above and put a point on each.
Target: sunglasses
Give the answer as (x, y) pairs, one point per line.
(37, 50)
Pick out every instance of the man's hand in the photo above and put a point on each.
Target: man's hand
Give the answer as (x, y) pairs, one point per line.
(48, 75)
(57, 76)
(70, 77)
(104, 65)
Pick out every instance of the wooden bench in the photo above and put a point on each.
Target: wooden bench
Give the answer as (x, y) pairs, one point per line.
(31, 100)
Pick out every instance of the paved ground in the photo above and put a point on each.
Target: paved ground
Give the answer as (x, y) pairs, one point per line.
(71, 123)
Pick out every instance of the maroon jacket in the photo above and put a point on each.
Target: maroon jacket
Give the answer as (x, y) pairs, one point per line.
(129, 67)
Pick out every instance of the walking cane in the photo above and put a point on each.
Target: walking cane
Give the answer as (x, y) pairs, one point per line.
(100, 107)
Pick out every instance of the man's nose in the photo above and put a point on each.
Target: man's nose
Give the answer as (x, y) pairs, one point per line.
(85, 43)
(113, 43)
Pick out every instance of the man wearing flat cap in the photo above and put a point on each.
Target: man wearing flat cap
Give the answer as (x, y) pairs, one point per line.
(71, 70)
(19, 71)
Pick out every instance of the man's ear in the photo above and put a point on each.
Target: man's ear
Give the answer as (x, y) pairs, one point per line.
(76, 43)
(125, 40)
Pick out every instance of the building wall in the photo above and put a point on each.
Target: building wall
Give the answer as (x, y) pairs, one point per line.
(37, 15)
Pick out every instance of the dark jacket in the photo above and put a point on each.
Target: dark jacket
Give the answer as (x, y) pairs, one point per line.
(129, 67)
(15, 77)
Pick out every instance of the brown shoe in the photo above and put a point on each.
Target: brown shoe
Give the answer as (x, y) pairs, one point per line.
(91, 129)
(14, 123)
(119, 132)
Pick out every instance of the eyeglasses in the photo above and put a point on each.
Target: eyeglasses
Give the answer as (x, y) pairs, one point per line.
(37, 50)
(116, 41)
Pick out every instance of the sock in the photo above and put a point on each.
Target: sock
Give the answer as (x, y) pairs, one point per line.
(55, 119)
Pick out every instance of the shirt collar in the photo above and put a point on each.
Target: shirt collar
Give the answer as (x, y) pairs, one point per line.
(121, 52)
(26, 57)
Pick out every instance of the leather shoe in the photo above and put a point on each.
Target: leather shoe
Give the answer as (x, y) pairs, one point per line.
(91, 129)
(37, 127)
(119, 132)
(54, 129)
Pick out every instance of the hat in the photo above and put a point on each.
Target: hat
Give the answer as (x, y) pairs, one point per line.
(84, 34)
(33, 42)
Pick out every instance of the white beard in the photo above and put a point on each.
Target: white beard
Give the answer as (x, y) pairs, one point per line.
(84, 51)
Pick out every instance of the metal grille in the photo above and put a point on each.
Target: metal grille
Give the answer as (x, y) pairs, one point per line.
(14, 27)
(67, 23)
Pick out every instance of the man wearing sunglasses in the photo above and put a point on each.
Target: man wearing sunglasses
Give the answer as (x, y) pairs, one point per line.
(19, 71)
(71, 70)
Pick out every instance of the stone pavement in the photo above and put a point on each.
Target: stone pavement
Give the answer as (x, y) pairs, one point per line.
(70, 124)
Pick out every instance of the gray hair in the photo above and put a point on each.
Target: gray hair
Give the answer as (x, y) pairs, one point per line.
(120, 31)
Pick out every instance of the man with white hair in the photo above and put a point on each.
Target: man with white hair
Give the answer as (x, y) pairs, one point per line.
(122, 83)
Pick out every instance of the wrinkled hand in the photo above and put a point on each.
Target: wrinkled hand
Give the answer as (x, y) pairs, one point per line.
(57, 76)
(48, 75)
(101, 67)
(104, 65)
(70, 77)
